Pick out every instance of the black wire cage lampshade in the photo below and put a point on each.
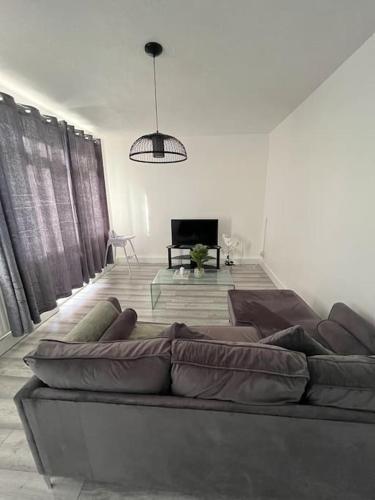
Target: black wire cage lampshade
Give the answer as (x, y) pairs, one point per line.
(157, 147)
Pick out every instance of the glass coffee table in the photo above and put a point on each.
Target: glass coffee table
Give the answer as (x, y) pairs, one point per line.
(167, 277)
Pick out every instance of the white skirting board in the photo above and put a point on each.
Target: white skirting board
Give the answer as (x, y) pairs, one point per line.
(278, 283)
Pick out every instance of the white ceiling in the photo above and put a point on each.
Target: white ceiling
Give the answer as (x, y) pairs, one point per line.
(229, 66)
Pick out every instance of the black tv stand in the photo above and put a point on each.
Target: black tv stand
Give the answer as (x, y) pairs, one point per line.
(191, 264)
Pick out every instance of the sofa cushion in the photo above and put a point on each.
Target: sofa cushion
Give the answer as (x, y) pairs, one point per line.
(182, 331)
(95, 323)
(346, 332)
(122, 327)
(263, 318)
(362, 329)
(139, 366)
(296, 339)
(231, 333)
(342, 381)
(240, 372)
(339, 339)
(145, 330)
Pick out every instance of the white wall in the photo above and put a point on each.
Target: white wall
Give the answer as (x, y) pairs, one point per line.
(224, 178)
(320, 198)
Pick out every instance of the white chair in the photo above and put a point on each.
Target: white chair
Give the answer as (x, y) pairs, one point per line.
(118, 240)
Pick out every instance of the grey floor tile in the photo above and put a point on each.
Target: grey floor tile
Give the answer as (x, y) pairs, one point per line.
(103, 491)
(9, 418)
(20, 350)
(20, 485)
(14, 368)
(15, 453)
(4, 433)
(10, 385)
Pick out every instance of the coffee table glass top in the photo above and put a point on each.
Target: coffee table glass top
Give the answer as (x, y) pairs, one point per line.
(166, 277)
(210, 277)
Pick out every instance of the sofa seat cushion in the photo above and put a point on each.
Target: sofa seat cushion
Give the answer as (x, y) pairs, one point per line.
(95, 323)
(214, 332)
(262, 317)
(240, 372)
(122, 327)
(342, 381)
(285, 304)
(182, 331)
(296, 339)
(140, 366)
(145, 330)
(230, 333)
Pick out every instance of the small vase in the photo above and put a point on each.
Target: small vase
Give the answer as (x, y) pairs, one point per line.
(198, 272)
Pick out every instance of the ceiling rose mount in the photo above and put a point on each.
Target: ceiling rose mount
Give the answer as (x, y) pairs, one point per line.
(157, 147)
(153, 49)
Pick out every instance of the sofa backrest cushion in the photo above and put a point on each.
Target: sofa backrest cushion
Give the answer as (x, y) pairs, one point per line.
(339, 339)
(122, 327)
(346, 332)
(240, 372)
(342, 381)
(138, 366)
(95, 323)
(296, 339)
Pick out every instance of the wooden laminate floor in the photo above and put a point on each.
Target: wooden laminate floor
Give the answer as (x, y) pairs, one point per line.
(192, 305)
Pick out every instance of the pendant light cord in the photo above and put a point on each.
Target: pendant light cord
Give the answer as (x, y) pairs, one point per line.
(156, 100)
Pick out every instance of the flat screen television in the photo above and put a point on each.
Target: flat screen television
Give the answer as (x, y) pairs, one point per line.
(193, 231)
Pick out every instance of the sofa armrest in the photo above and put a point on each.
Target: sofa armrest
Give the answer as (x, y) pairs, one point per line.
(349, 319)
(360, 328)
(25, 393)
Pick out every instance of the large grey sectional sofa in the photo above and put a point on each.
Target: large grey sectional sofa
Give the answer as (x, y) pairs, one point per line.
(185, 440)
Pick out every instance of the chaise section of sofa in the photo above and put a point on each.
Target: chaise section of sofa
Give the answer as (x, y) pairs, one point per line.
(270, 310)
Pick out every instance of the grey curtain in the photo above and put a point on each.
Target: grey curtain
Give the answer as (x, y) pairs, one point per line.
(88, 183)
(13, 291)
(54, 219)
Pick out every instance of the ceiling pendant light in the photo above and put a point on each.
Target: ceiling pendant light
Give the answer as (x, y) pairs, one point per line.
(157, 147)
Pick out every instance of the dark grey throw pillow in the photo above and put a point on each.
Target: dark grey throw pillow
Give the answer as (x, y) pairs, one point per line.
(342, 381)
(122, 327)
(296, 339)
(115, 302)
(135, 366)
(241, 372)
(182, 331)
